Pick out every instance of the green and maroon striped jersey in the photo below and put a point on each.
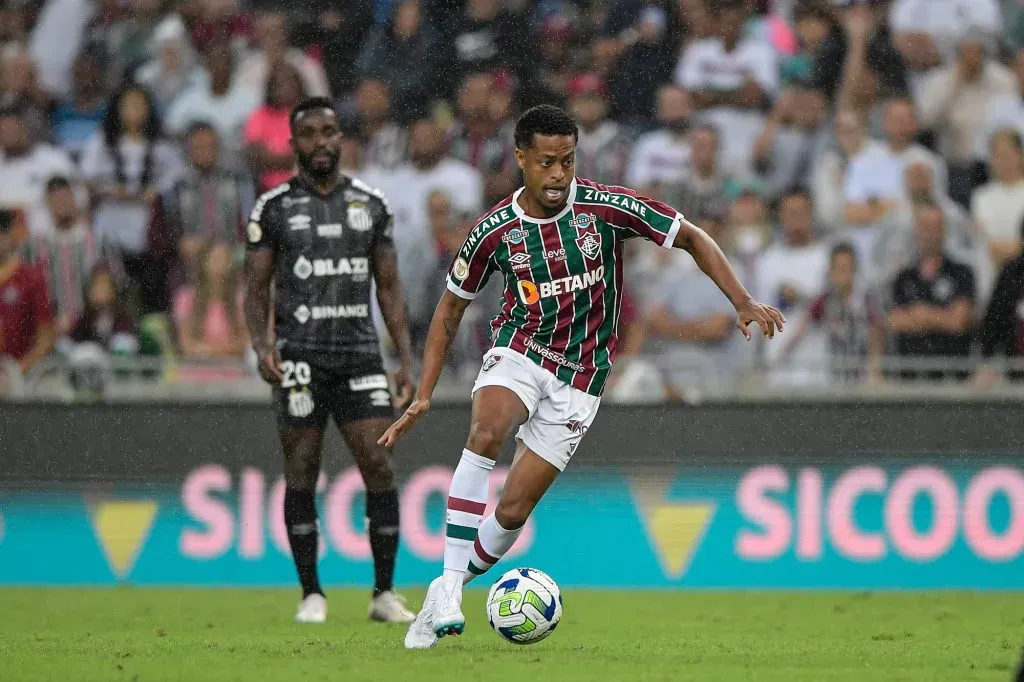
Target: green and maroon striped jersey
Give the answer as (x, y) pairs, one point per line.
(563, 275)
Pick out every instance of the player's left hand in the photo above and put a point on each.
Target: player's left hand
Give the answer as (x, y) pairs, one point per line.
(766, 317)
(404, 388)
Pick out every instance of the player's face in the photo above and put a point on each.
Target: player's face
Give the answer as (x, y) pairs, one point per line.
(316, 140)
(548, 166)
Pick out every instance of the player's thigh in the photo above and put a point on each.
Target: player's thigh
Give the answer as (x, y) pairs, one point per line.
(528, 480)
(373, 460)
(558, 426)
(505, 394)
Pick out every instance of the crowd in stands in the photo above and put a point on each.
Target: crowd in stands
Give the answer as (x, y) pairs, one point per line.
(859, 161)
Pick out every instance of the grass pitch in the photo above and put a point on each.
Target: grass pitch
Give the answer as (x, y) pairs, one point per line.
(150, 635)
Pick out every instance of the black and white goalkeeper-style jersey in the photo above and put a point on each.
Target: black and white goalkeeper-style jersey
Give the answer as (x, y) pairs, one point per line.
(323, 250)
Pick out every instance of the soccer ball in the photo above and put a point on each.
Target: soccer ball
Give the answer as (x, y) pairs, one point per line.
(524, 606)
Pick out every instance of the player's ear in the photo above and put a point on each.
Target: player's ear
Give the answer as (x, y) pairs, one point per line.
(521, 159)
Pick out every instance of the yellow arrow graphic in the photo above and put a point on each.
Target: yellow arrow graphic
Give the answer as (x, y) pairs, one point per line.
(122, 527)
(675, 529)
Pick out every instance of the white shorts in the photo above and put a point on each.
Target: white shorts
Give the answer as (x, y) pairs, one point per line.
(560, 414)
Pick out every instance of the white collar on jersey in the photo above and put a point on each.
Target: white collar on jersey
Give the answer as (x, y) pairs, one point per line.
(544, 221)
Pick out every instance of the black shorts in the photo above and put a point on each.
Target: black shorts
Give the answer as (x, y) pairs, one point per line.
(314, 389)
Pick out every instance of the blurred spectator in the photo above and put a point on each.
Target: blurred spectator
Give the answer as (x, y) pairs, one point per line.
(26, 315)
(691, 325)
(928, 32)
(731, 78)
(352, 158)
(703, 187)
(105, 329)
(1002, 329)
(953, 102)
(208, 315)
(661, 158)
(790, 272)
(104, 320)
(871, 184)
(481, 141)
(267, 136)
(78, 117)
(933, 301)
(173, 68)
(896, 245)
(487, 37)
(851, 318)
(604, 146)
(14, 25)
(407, 188)
(792, 139)
(551, 76)
(128, 164)
(215, 97)
(128, 32)
(998, 207)
(66, 253)
(1003, 111)
(747, 231)
(645, 63)
(339, 30)
(821, 51)
(210, 202)
(386, 141)
(26, 165)
(256, 71)
(403, 54)
(22, 91)
(901, 132)
(57, 39)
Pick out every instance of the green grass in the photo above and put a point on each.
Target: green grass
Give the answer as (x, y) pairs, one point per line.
(149, 635)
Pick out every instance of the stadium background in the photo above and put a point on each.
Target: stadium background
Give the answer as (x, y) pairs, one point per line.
(144, 451)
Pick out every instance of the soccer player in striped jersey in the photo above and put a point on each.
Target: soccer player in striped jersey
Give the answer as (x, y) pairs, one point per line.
(557, 242)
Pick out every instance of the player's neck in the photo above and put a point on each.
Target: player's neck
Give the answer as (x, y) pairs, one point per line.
(534, 209)
(322, 185)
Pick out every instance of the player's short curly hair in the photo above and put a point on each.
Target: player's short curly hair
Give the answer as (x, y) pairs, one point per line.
(310, 104)
(544, 119)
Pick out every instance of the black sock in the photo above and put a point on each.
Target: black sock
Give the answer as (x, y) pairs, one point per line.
(301, 524)
(382, 512)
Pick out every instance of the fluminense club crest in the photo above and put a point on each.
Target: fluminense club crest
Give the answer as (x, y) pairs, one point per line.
(590, 244)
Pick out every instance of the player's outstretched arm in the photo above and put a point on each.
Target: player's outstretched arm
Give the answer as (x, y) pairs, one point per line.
(259, 271)
(443, 328)
(396, 319)
(715, 265)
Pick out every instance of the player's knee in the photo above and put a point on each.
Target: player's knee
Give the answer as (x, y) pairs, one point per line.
(301, 472)
(486, 438)
(512, 511)
(378, 473)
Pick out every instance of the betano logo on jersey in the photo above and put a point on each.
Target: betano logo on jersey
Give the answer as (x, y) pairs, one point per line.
(531, 292)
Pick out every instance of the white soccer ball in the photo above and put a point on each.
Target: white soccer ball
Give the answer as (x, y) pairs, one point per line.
(524, 606)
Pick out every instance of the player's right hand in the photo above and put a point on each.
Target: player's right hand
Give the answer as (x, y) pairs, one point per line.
(270, 366)
(412, 415)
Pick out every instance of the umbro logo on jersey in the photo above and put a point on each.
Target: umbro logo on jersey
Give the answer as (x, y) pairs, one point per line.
(519, 261)
(514, 236)
(330, 230)
(299, 222)
(381, 398)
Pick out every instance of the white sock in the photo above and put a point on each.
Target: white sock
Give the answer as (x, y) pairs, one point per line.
(467, 499)
(492, 542)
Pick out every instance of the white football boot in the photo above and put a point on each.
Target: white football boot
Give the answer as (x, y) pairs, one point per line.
(312, 609)
(388, 607)
(421, 632)
(448, 618)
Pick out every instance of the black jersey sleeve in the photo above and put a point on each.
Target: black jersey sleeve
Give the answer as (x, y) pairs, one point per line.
(264, 225)
(384, 224)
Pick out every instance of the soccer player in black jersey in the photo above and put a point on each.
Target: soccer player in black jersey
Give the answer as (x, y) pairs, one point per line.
(322, 238)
